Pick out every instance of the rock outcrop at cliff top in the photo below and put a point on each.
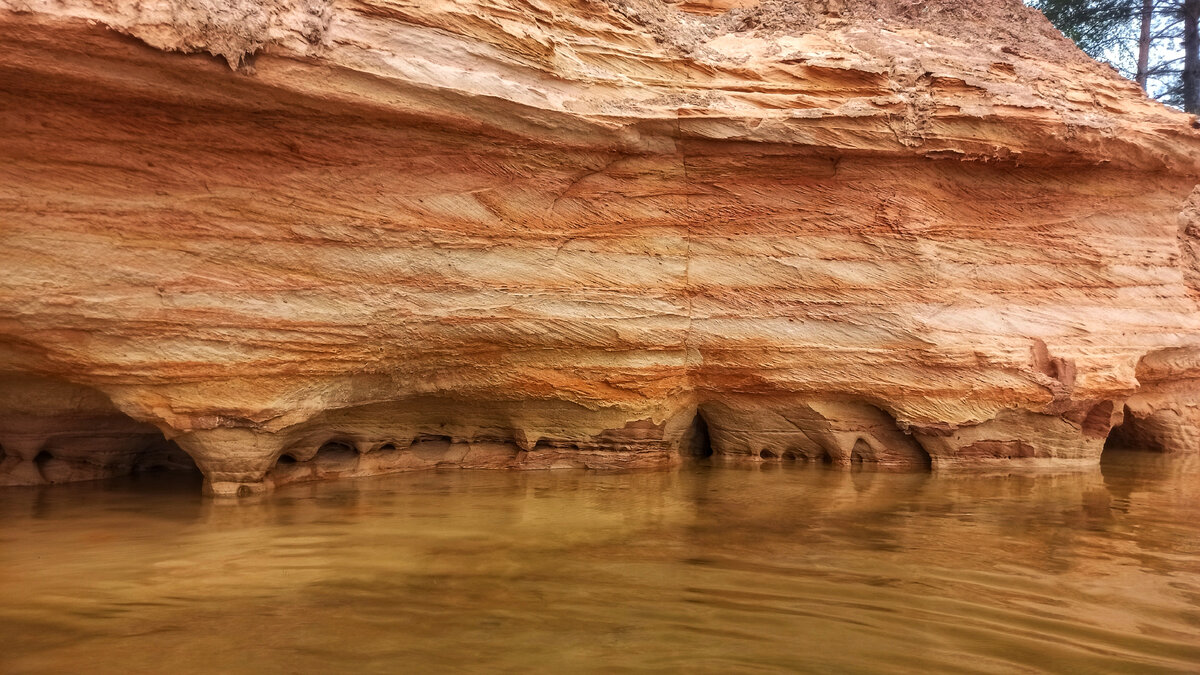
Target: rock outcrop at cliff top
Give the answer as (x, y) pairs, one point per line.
(301, 239)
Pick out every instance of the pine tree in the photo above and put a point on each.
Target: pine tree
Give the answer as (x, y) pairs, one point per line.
(1154, 42)
(1189, 14)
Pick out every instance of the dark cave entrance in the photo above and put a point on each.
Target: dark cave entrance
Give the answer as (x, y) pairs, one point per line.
(42, 461)
(86, 438)
(696, 442)
(334, 453)
(1118, 437)
(1132, 435)
(78, 456)
(165, 456)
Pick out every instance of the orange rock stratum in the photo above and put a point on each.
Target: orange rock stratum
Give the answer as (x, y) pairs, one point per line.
(299, 239)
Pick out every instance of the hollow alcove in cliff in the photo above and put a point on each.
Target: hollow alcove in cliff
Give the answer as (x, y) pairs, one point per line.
(696, 442)
(1134, 434)
(42, 463)
(1118, 437)
(164, 456)
(54, 431)
(859, 453)
(919, 458)
(81, 456)
(336, 451)
(331, 453)
(431, 447)
(897, 453)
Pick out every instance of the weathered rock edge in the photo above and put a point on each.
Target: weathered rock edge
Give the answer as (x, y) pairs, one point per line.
(373, 237)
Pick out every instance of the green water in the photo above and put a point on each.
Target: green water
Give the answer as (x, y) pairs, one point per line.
(704, 569)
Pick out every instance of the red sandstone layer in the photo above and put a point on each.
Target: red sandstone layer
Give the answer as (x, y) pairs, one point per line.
(541, 234)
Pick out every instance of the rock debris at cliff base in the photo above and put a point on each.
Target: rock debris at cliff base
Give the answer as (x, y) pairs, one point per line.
(301, 240)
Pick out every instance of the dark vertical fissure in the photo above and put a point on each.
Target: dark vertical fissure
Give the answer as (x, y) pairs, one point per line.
(697, 442)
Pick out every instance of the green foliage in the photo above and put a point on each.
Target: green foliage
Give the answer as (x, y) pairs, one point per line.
(1098, 27)
(1111, 31)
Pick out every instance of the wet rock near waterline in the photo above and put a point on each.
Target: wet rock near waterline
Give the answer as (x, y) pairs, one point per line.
(299, 240)
(55, 432)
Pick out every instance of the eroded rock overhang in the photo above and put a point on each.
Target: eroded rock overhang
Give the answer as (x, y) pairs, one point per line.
(314, 239)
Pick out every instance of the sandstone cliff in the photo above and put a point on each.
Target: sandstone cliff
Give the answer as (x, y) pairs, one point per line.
(309, 238)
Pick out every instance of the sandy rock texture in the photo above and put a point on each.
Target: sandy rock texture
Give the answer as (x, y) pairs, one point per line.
(302, 239)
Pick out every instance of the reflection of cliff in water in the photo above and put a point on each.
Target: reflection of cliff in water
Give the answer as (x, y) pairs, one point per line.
(724, 565)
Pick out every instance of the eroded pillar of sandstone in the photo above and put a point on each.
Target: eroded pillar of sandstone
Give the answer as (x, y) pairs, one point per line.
(838, 433)
(235, 462)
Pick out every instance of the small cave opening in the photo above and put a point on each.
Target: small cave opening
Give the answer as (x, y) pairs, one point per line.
(543, 444)
(924, 459)
(1117, 439)
(388, 447)
(1127, 447)
(827, 458)
(336, 451)
(860, 452)
(789, 456)
(1132, 435)
(696, 442)
(94, 441)
(164, 456)
(767, 454)
(42, 462)
(432, 447)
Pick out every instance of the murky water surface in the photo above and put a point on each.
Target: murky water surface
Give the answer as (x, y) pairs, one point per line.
(701, 570)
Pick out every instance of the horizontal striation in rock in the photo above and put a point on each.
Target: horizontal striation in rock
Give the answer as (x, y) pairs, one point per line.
(464, 230)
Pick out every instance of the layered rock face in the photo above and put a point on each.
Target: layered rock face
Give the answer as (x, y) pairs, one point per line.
(304, 239)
